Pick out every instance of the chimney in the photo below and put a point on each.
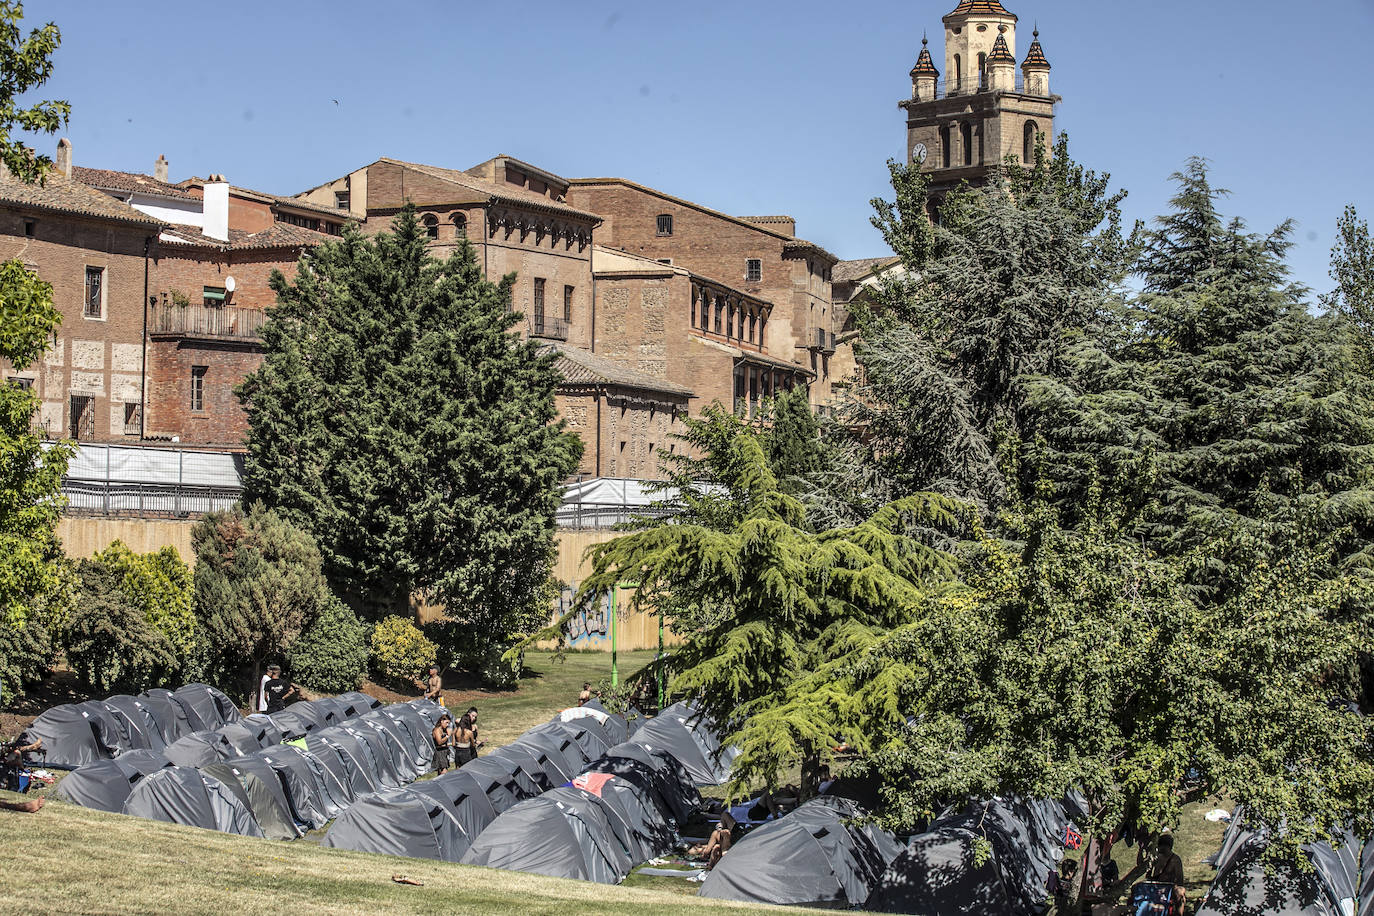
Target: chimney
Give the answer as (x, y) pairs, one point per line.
(216, 208)
(64, 157)
(160, 169)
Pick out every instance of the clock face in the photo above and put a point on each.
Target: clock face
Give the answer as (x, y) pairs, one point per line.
(918, 153)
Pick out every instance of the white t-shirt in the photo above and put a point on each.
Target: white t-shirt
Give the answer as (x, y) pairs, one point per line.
(262, 696)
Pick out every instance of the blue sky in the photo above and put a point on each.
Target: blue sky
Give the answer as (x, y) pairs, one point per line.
(752, 108)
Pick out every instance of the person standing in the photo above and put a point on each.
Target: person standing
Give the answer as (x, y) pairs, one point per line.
(262, 690)
(443, 736)
(435, 691)
(465, 742)
(277, 690)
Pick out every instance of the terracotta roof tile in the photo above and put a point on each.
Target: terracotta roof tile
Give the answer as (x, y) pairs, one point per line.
(1035, 55)
(110, 180)
(582, 367)
(849, 271)
(63, 195)
(924, 65)
(985, 7)
(278, 235)
(1001, 54)
(811, 247)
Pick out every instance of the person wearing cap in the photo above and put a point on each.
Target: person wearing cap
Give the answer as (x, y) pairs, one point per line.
(436, 686)
(277, 690)
(443, 735)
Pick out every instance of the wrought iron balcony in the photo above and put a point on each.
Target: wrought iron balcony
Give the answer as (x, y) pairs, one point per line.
(548, 327)
(226, 322)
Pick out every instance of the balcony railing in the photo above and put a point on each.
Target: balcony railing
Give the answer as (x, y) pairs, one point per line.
(972, 85)
(548, 327)
(226, 322)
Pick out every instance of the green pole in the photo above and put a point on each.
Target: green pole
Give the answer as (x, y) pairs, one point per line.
(615, 672)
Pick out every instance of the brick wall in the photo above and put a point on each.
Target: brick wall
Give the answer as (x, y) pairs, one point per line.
(101, 357)
(631, 432)
(221, 419)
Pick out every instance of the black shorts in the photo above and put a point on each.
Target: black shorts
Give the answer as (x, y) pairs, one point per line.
(462, 755)
(441, 761)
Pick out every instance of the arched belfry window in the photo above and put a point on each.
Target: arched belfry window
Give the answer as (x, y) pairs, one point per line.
(958, 72)
(431, 223)
(966, 139)
(460, 226)
(946, 154)
(1028, 145)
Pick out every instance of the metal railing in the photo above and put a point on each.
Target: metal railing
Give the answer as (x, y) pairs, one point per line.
(548, 327)
(973, 85)
(226, 322)
(146, 500)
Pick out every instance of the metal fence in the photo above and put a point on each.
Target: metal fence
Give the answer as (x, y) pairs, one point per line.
(142, 481)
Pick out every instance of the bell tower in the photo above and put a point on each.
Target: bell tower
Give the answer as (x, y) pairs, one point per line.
(960, 129)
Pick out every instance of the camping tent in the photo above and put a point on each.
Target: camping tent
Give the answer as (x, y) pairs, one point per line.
(197, 749)
(938, 873)
(502, 780)
(75, 734)
(680, 731)
(564, 736)
(358, 704)
(182, 795)
(400, 822)
(106, 784)
(305, 782)
(419, 731)
(141, 726)
(540, 764)
(347, 759)
(263, 790)
(170, 716)
(564, 833)
(1332, 887)
(815, 855)
(675, 789)
(631, 809)
(209, 705)
(615, 726)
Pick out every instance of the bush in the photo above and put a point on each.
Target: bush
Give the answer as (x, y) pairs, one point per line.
(160, 584)
(331, 655)
(400, 652)
(110, 644)
(30, 644)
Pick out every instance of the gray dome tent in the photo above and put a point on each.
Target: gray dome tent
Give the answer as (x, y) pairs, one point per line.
(262, 789)
(676, 790)
(400, 822)
(170, 716)
(682, 732)
(182, 795)
(815, 855)
(937, 873)
(1243, 886)
(502, 780)
(347, 758)
(197, 749)
(564, 833)
(141, 726)
(638, 823)
(206, 704)
(75, 734)
(305, 782)
(105, 784)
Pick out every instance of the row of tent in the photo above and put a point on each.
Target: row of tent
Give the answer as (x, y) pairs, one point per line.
(75, 734)
(583, 796)
(827, 853)
(340, 748)
(1340, 881)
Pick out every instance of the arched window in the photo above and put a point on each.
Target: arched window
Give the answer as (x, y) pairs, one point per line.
(431, 225)
(982, 71)
(1028, 144)
(460, 226)
(946, 155)
(966, 138)
(958, 72)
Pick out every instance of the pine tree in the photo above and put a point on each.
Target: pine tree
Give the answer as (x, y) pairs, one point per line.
(398, 419)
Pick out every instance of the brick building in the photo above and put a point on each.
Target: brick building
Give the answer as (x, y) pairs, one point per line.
(756, 259)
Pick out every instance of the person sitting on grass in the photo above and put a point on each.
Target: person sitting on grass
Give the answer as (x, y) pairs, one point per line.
(11, 763)
(585, 696)
(717, 845)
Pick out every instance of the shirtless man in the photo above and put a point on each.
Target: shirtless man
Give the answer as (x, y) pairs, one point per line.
(585, 696)
(436, 686)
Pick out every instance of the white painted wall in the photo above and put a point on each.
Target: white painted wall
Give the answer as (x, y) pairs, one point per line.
(179, 213)
(216, 224)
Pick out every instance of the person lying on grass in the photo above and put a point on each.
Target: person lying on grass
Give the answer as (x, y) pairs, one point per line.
(717, 845)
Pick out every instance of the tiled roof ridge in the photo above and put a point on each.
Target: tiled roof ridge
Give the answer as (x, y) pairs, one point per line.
(925, 66)
(1001, 54)
(1035, 55)
(117, 180)
(589, 368)
(59, 194)
(986, 7)
(482, 186)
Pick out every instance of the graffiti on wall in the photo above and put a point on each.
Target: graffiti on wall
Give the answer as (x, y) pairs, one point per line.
(589, 628)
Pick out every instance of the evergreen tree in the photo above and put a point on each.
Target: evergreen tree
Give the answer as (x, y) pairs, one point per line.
(398, 419)
(259, 583)
(792, 441)
(1352, 267)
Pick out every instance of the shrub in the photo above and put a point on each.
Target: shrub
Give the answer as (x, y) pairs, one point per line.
(110, 644)
(30, 643)
(400, 652)
(160, 584)
(331, 655)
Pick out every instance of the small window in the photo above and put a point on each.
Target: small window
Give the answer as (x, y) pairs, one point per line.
(133, 418)
(539, 302)
(460, 226)
(665, 224)
(214, 295)
(431, 225)
(95, 292)
(753, 270)
(668, 261)
(30, 227)
(341, 200)
(567, 303)
(25, 384)
(198, 387)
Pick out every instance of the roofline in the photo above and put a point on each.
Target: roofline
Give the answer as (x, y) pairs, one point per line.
(575, 182)
(266, 198)
(541, 173)
(495, 196)
(148, 223)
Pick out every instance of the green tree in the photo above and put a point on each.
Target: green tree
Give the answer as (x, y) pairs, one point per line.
(259, 582)
(112, 645)
(159, 584)
(331, 654)
(26, 64)
(1352, 267)
(792, 441)
(784, 603)
(399, 419)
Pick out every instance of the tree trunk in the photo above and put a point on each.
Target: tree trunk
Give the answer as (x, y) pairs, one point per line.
(255, 689)
(810, 777)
